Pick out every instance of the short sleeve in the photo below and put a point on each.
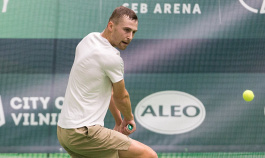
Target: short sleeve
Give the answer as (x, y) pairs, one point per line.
(114, 68)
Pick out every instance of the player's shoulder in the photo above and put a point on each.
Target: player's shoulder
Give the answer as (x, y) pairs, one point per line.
(93, 36)
(102, 45)
(99, 45)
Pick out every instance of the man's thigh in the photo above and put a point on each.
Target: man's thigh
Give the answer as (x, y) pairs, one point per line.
(96, 141)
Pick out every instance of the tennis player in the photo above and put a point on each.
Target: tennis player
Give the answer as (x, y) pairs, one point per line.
(96, 84)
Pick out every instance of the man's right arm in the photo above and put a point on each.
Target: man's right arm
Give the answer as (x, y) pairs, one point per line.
(122, 101)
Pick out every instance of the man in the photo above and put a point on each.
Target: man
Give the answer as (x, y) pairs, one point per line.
(95, 84)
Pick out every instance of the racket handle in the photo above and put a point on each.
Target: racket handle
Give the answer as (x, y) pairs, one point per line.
(130, 127)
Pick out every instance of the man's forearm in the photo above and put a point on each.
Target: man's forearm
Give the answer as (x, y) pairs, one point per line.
(115, 112)
(123, 103)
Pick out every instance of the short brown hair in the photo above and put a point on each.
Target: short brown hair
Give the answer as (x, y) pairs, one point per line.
(120, 12)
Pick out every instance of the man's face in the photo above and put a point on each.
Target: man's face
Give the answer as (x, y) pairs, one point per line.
(123, 32)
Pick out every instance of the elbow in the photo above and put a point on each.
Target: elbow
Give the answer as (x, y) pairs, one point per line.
(121, 96)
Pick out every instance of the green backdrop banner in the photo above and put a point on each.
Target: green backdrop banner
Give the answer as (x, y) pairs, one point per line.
(186, 70)
(169, 19)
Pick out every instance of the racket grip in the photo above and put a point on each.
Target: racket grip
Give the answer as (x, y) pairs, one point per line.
(130, 127)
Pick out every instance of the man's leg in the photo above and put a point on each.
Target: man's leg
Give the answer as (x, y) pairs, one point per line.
(138, 150)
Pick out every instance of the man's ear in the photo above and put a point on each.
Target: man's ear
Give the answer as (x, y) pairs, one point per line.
(110, 26)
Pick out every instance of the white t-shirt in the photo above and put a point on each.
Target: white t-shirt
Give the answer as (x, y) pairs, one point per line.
(96, 66)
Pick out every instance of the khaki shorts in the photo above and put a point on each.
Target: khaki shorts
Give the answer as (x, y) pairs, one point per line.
(92, 142)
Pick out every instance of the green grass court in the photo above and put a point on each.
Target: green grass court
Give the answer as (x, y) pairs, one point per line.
(160, 155)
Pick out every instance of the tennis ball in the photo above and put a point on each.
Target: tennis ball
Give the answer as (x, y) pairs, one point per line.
(248, 95)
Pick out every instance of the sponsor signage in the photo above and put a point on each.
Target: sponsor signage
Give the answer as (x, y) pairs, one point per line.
(249, 7)
(170, 112)
(2, 114)
(23, 111)
(165, 8)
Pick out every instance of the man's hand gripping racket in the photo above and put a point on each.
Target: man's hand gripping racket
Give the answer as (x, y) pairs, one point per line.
(128, 127)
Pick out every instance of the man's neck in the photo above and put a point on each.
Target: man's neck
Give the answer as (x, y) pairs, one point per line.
(106, 34)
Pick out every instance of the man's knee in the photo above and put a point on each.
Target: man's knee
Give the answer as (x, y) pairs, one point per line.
(138, 149)
(150, 152)
(153, 154)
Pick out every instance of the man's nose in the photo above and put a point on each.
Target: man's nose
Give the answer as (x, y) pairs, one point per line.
(130, 36)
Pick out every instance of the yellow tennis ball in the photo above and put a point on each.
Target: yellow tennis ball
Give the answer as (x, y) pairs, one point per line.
(248, 95)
